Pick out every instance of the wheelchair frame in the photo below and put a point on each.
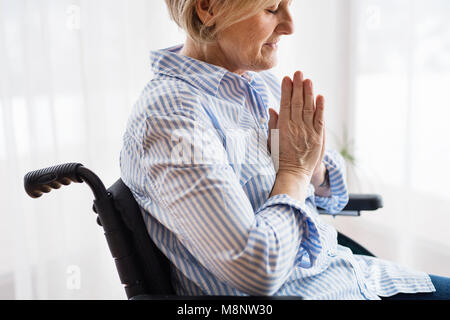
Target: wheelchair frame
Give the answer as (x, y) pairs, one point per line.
(143, 269)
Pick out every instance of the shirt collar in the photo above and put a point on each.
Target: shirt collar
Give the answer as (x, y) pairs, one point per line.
(203, 75)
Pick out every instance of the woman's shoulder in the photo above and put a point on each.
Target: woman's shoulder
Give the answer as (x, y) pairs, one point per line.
(168, 96)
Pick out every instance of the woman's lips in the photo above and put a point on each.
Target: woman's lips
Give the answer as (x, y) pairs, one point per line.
(273, 45)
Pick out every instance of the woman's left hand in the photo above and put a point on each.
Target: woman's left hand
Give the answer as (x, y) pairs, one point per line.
(319, 172)
(318, 176)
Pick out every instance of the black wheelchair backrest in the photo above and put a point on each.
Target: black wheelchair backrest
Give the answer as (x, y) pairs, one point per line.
(150, 263)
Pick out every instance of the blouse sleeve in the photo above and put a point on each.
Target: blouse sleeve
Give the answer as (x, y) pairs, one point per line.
(335, 165)
(178, 162)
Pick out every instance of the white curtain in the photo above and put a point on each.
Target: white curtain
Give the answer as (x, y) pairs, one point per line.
(70, 72)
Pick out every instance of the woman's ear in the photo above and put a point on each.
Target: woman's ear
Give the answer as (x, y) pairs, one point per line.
(204, 11)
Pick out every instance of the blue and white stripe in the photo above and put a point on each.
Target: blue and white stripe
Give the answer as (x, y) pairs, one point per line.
(195, 157)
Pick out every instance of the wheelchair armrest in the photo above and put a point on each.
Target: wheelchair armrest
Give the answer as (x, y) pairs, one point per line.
(358, 203)
(364, 202)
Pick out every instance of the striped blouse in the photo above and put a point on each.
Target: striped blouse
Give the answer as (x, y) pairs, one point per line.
(195, 157)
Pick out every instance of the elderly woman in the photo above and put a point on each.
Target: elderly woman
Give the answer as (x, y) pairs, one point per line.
(229, 189)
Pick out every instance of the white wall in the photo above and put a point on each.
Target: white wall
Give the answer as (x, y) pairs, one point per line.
(398, 113)
(412, 228)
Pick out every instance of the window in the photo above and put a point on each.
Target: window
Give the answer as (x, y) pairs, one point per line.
(402, 109)
(402, 105)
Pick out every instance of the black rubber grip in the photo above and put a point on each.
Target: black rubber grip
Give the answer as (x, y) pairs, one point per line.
(44, 180)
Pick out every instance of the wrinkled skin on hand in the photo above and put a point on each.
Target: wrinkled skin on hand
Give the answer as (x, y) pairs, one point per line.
(301, 129)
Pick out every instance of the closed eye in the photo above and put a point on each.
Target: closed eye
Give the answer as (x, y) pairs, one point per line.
(272, 11)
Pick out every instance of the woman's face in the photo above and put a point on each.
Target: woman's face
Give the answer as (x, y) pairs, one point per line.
(251, 45)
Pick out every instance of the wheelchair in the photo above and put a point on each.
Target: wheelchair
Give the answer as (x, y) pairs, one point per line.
(143, 269)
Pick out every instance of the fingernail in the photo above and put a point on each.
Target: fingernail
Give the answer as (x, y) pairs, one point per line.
(287, 82)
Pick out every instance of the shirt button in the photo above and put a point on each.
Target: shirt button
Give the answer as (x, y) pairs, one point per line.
(246, 77)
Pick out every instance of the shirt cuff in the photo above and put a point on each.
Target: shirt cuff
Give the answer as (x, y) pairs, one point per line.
(335, 165)
(310, 245)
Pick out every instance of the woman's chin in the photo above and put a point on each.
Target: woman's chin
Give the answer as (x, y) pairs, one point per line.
(270, 63)
(263, 62)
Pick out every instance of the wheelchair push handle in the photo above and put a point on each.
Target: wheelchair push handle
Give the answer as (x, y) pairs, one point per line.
(44, 180)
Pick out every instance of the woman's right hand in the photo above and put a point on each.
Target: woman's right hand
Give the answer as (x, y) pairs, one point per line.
(301, 127)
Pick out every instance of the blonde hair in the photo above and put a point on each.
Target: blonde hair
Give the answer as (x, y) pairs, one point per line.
(229, 12)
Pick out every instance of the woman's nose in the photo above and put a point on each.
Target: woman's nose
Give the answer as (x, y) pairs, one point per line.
(286, 25)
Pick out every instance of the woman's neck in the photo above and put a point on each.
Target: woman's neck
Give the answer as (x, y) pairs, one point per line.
(209, 53)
